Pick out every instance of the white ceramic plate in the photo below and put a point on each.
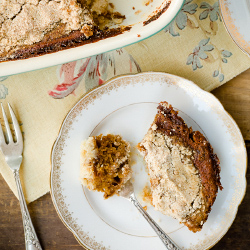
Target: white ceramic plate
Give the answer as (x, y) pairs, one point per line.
(126, 105)
(236, 17)
(134, 18)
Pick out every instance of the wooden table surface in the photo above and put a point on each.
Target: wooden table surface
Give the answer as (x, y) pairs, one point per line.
(234, 95)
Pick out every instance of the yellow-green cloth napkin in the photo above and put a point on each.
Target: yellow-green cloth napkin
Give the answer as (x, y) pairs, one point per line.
(195, 46)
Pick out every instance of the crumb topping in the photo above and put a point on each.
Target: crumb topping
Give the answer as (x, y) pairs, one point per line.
(175, 183)
(99, 6)
(25, 22)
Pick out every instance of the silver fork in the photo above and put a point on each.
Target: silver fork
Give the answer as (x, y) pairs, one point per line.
(12, 151)
(127, 192)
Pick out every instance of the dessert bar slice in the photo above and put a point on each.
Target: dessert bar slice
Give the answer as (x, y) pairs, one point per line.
(183, 170)
(105, 164)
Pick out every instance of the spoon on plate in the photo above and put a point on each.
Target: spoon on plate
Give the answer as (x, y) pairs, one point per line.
(127, 192)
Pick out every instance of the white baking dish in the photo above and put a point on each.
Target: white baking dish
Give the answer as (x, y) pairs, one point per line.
(136, 13)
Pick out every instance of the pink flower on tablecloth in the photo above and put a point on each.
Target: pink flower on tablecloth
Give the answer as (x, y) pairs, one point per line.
(92, 71)
(68, 80)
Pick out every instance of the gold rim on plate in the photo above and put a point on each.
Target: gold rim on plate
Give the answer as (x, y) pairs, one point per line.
(119, 81)
(232, 29)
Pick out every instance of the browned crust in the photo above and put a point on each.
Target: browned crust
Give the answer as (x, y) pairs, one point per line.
(74, 39)
(157, 14)
(207, 163)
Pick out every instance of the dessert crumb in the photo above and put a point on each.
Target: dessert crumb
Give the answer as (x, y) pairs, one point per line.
(147, 194)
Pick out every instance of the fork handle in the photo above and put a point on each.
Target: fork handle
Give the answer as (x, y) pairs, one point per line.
(167, 241)
(31, 240)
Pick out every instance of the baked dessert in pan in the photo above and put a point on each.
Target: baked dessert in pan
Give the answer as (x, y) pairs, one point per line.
(105, 164)
(183, 170)
(31, 28)
(35, 27)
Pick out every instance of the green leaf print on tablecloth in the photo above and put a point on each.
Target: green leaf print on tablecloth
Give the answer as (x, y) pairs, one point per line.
(193, 16)
(3, 91)
(182, 18)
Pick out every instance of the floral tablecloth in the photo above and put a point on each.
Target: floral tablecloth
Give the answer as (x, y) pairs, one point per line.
(195, 46)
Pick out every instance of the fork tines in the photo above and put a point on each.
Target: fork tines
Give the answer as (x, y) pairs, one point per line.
(9, 138)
